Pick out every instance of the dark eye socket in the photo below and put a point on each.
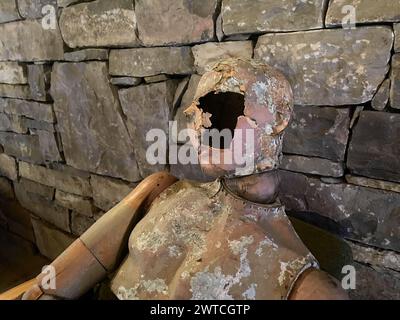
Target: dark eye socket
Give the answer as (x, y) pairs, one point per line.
(225, 109)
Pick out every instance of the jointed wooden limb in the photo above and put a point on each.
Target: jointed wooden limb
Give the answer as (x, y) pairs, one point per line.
(99, 250)
(15, 293)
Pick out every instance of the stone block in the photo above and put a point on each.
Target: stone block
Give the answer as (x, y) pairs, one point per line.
(248, 16)
(57, 179)
(375, 285)
(23, 147)
(80, 223)
(181, 21)
(315, 166)
(108, 192)
(12, 73)
(374, 149)
(42, 190)
(51, 242)
(90, 121)
(395, 82)
(381, 98)
(145, 62)
(8, 11)
(366, 11)
(367, 215)
(6, 189)
(76, 203)
(13, 123)
(100, 23)
(86, 55)
(14, 91)
(30, 109)
(46, 210)
(318, 132)
(396, 28)
(39, 81)
(8, 167)
(27, 40)
(33, 9)
(330, 67)
(149, 107)
(208, 54)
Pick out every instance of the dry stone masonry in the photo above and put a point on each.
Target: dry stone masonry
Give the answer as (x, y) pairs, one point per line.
(77, 99)
(175, 22)
(106, 23)
(247, 16)
(84, 101)
(367, 11)
(9, 11)
(146, 62)
(330, 67)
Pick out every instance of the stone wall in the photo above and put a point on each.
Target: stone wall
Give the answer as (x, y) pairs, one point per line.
(77, 99)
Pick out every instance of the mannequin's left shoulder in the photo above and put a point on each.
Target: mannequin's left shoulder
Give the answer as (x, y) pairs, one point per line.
(315, 284)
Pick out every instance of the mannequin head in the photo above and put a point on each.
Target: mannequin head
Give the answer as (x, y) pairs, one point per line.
(252, 104)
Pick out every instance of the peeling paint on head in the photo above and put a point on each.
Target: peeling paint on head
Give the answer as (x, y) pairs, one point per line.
(267, 110)
(268, 129)
(231, 84)
(260, 90)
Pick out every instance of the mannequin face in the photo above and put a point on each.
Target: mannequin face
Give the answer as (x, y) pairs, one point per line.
(238, 117)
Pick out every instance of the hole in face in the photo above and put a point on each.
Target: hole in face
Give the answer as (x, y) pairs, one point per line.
(225, 108)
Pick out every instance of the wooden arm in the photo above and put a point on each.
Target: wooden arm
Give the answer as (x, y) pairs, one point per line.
(18, 291)
(99, 250)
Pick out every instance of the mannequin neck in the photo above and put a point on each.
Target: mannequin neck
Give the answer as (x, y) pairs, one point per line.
(260, 188)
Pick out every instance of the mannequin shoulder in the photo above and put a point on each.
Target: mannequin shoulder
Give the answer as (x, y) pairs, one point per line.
(317, 285)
